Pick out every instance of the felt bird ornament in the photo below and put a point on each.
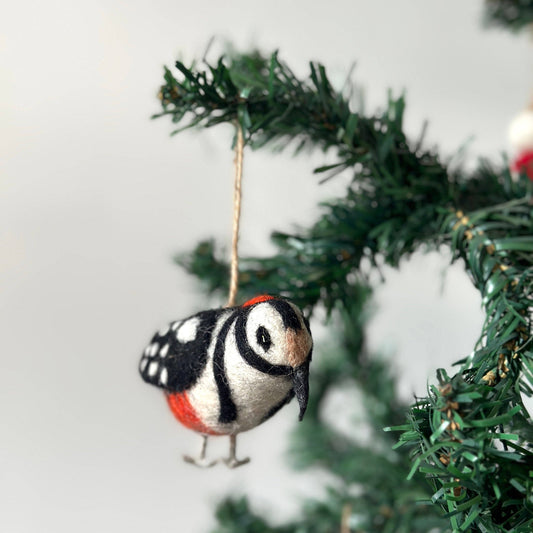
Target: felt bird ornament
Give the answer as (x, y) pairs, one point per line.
(225, 371)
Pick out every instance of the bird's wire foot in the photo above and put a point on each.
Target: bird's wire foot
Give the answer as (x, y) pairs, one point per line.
(201, 461)
(232, 461)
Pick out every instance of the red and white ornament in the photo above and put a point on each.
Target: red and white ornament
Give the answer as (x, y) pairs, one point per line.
(521, 141)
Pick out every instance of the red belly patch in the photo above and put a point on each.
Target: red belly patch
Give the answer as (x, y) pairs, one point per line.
(183, 410)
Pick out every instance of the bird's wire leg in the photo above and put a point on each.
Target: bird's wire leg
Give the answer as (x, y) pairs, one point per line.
(232, 461)
(201, 461)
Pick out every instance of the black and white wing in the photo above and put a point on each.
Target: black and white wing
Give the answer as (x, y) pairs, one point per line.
(177, 354)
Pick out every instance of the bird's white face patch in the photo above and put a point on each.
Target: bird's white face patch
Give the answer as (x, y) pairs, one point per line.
(188, 330)
(266, 334)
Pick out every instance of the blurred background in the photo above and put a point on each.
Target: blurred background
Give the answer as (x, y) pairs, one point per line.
(95, 199)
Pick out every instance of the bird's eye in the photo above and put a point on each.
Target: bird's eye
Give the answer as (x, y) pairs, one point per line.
(263, 338)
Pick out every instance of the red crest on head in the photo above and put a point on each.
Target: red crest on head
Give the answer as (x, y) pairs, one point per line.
(258, 299)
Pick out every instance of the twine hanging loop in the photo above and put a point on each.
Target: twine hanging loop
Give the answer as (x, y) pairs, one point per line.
(237, 194)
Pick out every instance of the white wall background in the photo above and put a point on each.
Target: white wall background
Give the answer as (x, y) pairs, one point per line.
(95, 198)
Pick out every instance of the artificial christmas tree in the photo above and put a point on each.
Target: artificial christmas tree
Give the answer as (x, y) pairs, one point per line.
(459, 459)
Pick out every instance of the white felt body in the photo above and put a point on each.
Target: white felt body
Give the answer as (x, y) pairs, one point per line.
(253, 392)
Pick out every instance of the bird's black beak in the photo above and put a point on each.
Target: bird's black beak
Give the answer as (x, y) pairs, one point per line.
(300, 381)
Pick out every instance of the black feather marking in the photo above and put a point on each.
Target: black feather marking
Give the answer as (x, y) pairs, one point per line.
(307, 325)
(183, 362)
(287, 313)
(263, 338)
(228, 409)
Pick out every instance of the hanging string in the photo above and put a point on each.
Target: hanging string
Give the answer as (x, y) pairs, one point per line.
(234, 266)
(345, 518)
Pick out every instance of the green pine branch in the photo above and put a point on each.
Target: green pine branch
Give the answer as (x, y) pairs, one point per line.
(371, 491)
(514, 15)
(475, 445)
(469, 438)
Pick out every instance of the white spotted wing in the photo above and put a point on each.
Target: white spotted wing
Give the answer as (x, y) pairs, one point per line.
(177, 353)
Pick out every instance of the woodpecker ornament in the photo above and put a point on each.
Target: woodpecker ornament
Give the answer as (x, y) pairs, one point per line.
(225, 371)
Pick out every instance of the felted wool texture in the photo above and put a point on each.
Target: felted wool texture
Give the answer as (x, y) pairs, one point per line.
(254, 393)
(176, 355)
(262, 385)
(524, 163)
(267, 317)
(182, 409)
(203, 396)
(521, 131)
(227, 370)
(521, 140)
